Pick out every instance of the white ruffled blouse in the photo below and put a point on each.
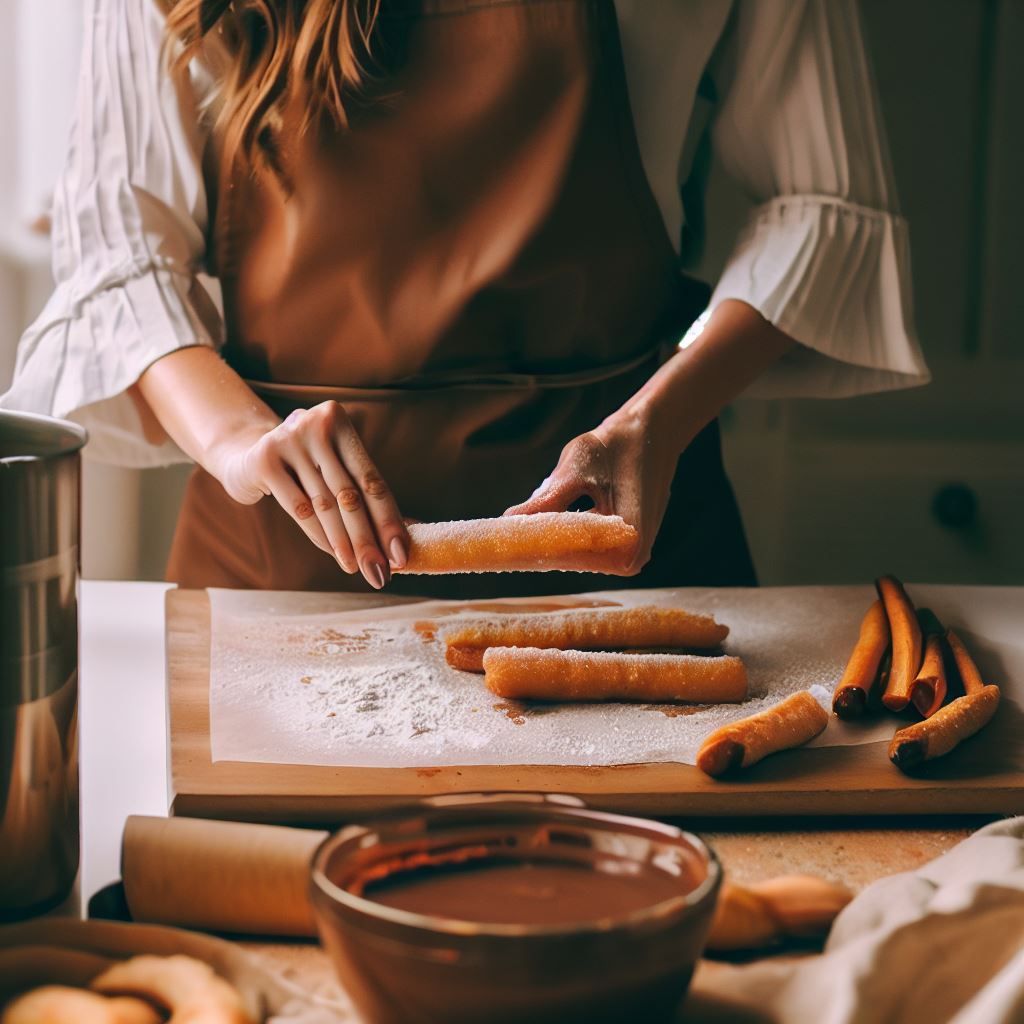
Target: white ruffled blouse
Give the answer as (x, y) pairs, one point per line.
(779, 90)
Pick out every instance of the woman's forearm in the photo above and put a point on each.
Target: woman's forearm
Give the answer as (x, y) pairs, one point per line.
(203, 405)
(313, 464)
(736, 346)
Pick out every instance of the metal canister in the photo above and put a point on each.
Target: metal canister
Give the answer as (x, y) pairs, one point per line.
(40, 487)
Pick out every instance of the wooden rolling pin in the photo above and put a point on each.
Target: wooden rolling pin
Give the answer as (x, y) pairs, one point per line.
(253, 880)
(219, 876)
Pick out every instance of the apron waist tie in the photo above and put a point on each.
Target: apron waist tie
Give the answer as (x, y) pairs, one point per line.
(463, 381)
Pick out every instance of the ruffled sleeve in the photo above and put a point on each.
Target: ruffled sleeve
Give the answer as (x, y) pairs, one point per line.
(825, 254)
(129, 222)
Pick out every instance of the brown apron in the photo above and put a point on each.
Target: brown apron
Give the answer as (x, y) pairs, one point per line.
(478, 270)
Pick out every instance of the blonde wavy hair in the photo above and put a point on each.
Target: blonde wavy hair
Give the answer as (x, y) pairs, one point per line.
(315, 56)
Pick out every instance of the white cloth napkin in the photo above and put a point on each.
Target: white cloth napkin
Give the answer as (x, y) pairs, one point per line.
(944, 943)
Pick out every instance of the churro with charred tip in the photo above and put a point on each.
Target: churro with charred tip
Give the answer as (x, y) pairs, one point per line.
(529, 673)
(861, 674)
(602, 629)
(948, 727)
(906, 642)
(970, 677)
(790, 723)
(929, 690)
(544, 542)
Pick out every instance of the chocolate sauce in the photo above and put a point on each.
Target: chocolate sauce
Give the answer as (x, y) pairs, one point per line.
(582, 880)
(498, 890)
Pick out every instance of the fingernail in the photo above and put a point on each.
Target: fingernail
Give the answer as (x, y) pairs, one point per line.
(343, 561)
(398, 553)
(375, 577)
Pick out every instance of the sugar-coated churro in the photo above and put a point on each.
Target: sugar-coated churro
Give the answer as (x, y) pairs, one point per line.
(790, 723)
(529, 673)
(929, 690)
(949, 726)
(600, 629)
(546, 541)
(906, 642)
(862, 670)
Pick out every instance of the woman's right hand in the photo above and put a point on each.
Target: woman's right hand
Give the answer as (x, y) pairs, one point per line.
(317, 469)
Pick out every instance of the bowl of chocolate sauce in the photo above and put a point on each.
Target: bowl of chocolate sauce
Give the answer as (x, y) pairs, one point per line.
(514, 908)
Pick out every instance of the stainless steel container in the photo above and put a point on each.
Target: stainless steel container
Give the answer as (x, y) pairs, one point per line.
(39, 563)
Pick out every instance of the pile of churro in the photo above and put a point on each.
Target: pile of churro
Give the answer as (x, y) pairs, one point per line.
(667, 655)
(900, 663)
(600, 655)
(645, 654)
(661, 655)
(648, 654)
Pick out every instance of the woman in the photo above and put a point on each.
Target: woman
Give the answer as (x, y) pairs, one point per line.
(446, 237)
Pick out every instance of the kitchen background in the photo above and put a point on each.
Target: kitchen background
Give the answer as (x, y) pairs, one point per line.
(928, 483)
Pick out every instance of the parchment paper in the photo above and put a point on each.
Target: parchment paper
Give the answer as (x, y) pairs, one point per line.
(295, 682)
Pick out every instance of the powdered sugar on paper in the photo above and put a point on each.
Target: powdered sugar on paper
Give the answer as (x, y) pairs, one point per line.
(294, 682)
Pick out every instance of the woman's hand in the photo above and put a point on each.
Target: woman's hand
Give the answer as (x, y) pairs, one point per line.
(625, 468)
(314, 463)
(316, 468)
(626, 465)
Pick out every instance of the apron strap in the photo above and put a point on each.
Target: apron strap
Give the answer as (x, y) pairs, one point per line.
(464, 381)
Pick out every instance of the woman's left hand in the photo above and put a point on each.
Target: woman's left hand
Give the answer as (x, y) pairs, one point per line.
(627, 464)
(625, 467)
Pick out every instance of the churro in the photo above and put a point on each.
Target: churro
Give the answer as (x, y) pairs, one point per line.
(906, 642)
(790, 723)
(970, 677)
(529, 673)
(603, 629)
(546, 541)
(948, 727)
(878, 690)
(929, 690)
(862, 670)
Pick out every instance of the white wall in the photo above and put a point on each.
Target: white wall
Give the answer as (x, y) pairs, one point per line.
(47, 34)
(39, 57)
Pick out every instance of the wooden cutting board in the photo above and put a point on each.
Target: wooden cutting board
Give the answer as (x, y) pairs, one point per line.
(984, 776)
